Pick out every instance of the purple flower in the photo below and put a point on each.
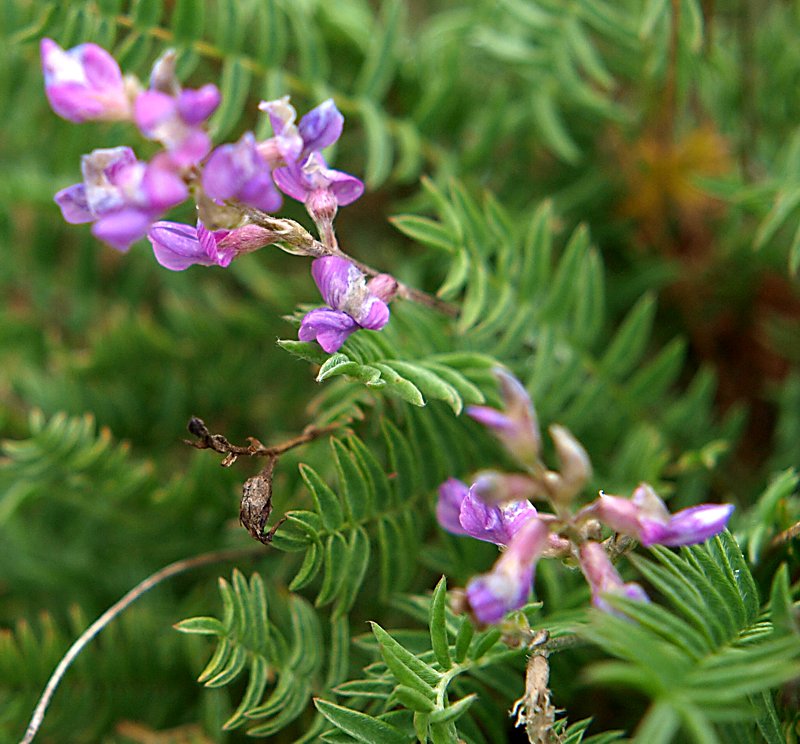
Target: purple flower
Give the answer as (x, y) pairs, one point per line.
(312, 181)
(304, 174)
(351, 304)
(174, 117)
(121, 195)
(516, 426)
(84, 83)
(645, 517)
(461, 512)
(507, 585)
(177, 246)
(318, 129)
(238, 171)
(603, 578)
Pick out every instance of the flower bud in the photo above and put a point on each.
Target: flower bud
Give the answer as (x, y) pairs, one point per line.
(492, 487)
(383, 286)
(576, 469)
(516, 426)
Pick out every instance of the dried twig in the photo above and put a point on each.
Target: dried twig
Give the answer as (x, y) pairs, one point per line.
(232, 452)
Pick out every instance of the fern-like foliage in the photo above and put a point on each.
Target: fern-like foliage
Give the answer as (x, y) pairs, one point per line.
(708, 658)
(541, 309)
(286, 658)
(338, 534)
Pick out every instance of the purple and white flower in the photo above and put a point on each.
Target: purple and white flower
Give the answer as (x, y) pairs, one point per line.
(177, 246)
(121, 195)
(238, 171)
(516, 426)
(303, 173)
(84, 83)
(603, 578)
(175, 117)
(351, 304)
(645, 517)
(507, 586)
(460, 511)
(318, 129)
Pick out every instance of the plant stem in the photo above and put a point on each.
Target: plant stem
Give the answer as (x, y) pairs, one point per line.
(301, 241)
(173, 569)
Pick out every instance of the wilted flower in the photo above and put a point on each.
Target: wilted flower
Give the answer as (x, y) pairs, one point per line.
(516, 426)
(121, 195)
(351, 304)
(238, 171)
(645, 517)
(84, 83)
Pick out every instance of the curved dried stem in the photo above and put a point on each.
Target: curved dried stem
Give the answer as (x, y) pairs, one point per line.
(173, 569)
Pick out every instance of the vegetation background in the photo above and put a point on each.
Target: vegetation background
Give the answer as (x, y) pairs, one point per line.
(609, 189)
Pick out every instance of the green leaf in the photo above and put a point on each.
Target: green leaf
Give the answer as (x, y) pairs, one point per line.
(356, 492)
(336, 567)
(629, 342)
(146, 13)
(437, 624)
(400, 386)
(339, 656)
(326, 501)
(426, 231)
(381, 59)
(188, 19)
(394, 576)
(402, 461)
(379, 144)
(359, 550)
(455, 711)
(785, 203)
(552, 128)
(781, 606)
(405, 666)
(360, 726)
(336, 364)
(257, 683)
(379, 485)
(311, 352)
(201, 626)
(431, 384)
(463, 638)
(230, 670)
(312, 562)
(234, 87)
(413, 699)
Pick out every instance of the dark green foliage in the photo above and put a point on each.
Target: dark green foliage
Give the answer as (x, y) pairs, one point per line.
(585, 182)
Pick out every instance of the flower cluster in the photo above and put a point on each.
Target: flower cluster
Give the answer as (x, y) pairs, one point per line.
(497, 508)
(126, 198)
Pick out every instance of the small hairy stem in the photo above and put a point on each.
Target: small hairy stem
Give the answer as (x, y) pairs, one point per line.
(299, 240)
(173, 569)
